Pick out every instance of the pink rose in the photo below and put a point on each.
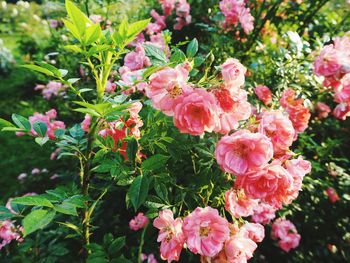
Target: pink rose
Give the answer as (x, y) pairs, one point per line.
(233, 73)
(264, 94)
(85, 125)
(332, 195)
(165, 85)
(205, 231)
(276, 126)
(139, 222)
(233, 107)
(242, 151)
(9, 232)
(170, 235)
(264, 213)
(137, 59)
(167, 6)
(255, 232)
(342, 111)
(286, 232)
(271, 184)
(238, 204)
(195, 112)
(323, 110)
(246, 20)
(239, 248)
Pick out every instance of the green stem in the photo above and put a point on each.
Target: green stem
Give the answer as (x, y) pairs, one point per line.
(141, 244)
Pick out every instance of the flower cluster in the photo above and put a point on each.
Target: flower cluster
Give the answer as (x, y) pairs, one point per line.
(197, 110)
(333, 64)
(139, 222)
(206, 233)
(286, 233)
(236, 11)
(9, 232)
(51, 89)
(49, 119)
(182, 10)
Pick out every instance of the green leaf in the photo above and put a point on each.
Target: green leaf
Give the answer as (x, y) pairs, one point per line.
(63, 72)
(39, 69)
(41, 140)
(71, 226)
(66, 208)
(178, 56)
(5, 213)
(138, 191)
(161, 190)
(5, 123)
(92, 34)
(74, 48)
(154, 162)
(40, 128)
(49, 67)
(123, 29)
(131, 150)
(21, 122)
(12, 129)
(59, 132)
(156, 53)
(116, 245)
(78, 18)
(76, 131)
(37, 219)
(75, 32)
(136, 28)
(192, 48)
(35, 200)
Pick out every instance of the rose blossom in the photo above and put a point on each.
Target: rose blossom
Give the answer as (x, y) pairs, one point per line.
(263, 213)
(167, 6)
(332, 195)
(165, 85)
(276, 126)
(238, 204)
(286, 232)
(323, 110)
(342, 111)
(264, 94)
(271, 184)
(9, 232)
(242, 151)
(170, 235)
(233, 73)
(139, 222)
(233, 107)
(195, 112)
(205, 231)
(137, 59)
(255, 232)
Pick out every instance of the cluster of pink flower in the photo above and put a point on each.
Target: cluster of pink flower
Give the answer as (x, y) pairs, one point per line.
(236, 11)
(149, 258)
(182, 10)
(49, 119)
(139, 222)
(120, 129)
(286, 233)
(197, 110)
(333, 64)
(9, 232)
(53, 88)
(206, 233)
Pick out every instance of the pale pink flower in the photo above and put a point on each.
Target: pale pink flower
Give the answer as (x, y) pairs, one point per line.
(264, 94)
(129, 80)
(286, 232)
(137, 59)
(342, 111)
(96, 19)
(195, 112)
(85, 124)
(167, 6)
(205, 231)
(254, 231)
(22, 176)
(53, 88)
(35, 171)
(233, 107)
(264, 213)
(332, 195)
(323, 110)
(53, 23)
(8, 233)
(183, 12)
(271, 184)
(150, 258)
(238, 204)
(246, 20)
(158, 26)
(242, 151)
(138, 222)
(239, 248)
(276, 126)
(233, 73)
(165, 85)
(170, 235)
(110, 86)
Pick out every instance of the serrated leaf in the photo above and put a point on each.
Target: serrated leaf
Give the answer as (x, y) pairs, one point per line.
(155, 52)
(35, 200)
(21, 122)
(154, 162)
(138, 191)
(37, 219)
(66, 208)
